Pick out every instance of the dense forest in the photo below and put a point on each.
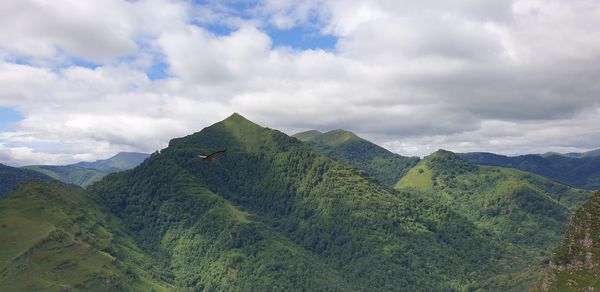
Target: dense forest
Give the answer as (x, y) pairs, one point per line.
(274, 213)
(346, 147)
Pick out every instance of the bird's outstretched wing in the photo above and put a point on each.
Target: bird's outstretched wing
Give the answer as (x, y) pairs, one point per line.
(213, 155)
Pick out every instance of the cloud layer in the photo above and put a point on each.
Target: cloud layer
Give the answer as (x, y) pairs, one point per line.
(511, 77)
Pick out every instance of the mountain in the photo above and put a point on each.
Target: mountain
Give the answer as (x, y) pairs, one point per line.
(11, 177)
(69, 174)
(272, 212)
(581, 172)
(121, 161)
(588, 154)
(55, 238)
(345, 146)
(575, 263)
(307, 135)
(525, 212)
(84, 174)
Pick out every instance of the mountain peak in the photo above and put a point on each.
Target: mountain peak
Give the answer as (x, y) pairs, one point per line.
(336, 137)
(307, 135)
(443, 161)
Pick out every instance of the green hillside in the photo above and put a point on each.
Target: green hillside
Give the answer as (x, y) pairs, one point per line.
(344, 146)
(54, 238)
(526, 212)
(12, 176)
(69, 174)
(575, 263)
(271, 205)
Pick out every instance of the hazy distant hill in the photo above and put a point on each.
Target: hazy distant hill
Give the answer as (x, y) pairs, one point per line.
(588, 154)
(582, 172)
(526, 212)
(12, 176)
(121, 161)
(345, 146)
(84, 174)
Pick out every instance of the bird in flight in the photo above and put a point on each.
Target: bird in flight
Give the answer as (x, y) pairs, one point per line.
(212, 156)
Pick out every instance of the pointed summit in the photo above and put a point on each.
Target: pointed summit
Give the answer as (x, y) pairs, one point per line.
(233, 132)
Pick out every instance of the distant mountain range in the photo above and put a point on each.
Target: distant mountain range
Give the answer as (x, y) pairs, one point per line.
(84, 174)
(318, 212)
(580, 170)
(11, 177)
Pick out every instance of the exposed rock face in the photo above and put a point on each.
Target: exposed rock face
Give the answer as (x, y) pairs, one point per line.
(575, 264)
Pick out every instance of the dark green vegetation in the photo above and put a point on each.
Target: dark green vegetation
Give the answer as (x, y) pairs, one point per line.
(525, 212)
(84, 174)
(273, 213)
(11, 177)
(575, 264)
(581, 170)
(55, 238)
(344, 146)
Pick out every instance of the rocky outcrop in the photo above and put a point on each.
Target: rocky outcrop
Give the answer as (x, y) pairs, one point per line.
(575, 264)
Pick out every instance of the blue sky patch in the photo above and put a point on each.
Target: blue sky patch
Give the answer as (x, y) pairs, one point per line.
(302, 39)
(9, 116)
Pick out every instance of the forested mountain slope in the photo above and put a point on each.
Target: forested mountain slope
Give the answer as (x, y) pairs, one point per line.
(271, 206)
(344, 146)
(523, 211)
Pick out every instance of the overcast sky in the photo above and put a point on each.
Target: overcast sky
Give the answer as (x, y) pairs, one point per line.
(82, 80)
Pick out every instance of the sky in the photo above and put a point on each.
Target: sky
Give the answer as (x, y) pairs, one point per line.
(83, 80)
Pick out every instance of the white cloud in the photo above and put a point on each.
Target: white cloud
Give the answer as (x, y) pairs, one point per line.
(504, 76)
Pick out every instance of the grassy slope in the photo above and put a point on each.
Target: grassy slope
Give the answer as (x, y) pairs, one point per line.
(344, 146)
(78, 176)
(376, 238)
(575, 263)
(54, 238)
(524, 211)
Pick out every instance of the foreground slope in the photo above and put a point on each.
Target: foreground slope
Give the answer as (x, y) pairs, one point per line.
(55, 238)
(12, 176)
(344, 146)
(526, 212)
(575, 264)
(579, 170)
(271, 205)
